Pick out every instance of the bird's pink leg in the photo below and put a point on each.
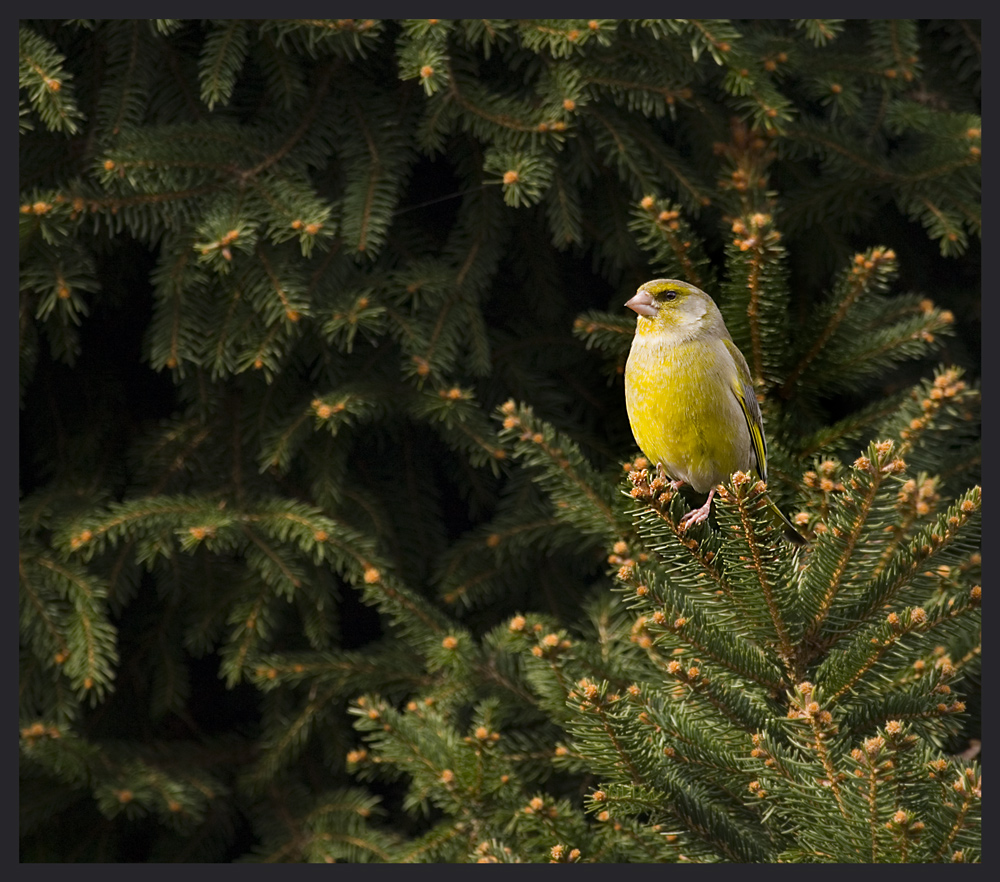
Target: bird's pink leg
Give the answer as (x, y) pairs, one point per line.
(662, 472)
(696, 516)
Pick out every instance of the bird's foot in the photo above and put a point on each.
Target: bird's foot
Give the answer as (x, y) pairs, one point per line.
(696, 516)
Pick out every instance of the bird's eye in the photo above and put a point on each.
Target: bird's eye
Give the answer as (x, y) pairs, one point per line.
(669, 295)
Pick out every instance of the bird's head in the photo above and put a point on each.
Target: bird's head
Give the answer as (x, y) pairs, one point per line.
(672, 305)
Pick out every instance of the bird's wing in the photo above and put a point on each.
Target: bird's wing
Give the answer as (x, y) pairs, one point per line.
(745, 395)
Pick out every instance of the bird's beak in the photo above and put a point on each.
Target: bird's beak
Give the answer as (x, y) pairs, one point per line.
(642, 303)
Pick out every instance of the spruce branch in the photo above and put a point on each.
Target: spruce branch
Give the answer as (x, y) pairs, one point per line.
(337, 247)
(47, 84)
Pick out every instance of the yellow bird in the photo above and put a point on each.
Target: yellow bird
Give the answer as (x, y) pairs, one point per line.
(690, 400)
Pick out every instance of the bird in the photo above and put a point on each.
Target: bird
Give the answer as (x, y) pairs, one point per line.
(690, 400)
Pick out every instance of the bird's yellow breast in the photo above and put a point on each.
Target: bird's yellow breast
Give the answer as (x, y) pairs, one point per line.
(683, 410)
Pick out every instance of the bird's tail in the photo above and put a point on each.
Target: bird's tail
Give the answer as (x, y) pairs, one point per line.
(787, 528)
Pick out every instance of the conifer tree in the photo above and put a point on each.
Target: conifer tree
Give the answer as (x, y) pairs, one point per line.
(334, 541)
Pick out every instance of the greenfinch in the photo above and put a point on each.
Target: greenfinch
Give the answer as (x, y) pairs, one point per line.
(690, 399)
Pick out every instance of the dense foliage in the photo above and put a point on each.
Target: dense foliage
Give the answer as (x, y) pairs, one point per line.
(333, 540)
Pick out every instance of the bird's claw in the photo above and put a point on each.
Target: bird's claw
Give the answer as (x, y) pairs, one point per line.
(693, 517)
(696, 516)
